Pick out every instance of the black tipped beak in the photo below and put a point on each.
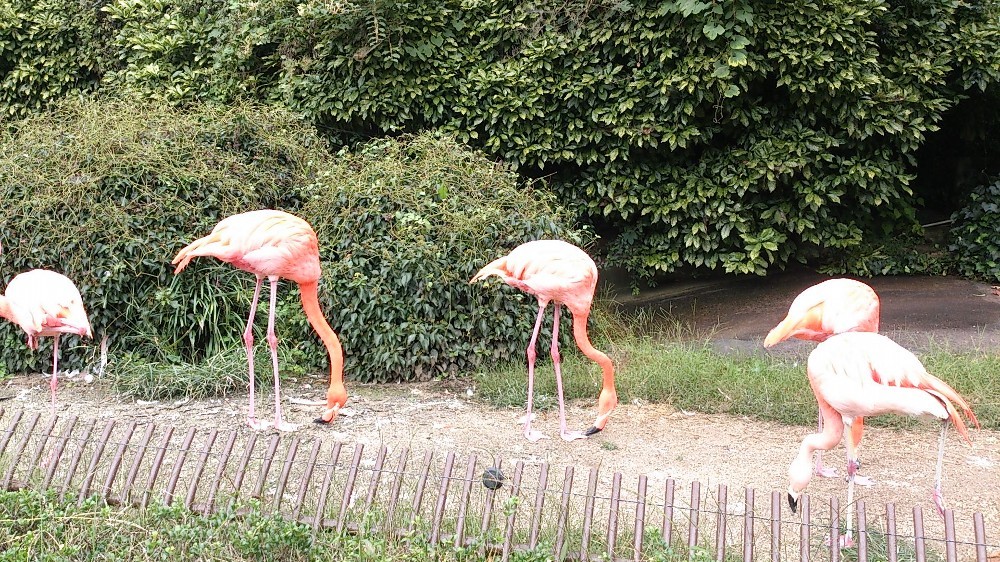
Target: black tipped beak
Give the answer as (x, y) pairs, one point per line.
(793, 503)
(592, 430)
(320, 421)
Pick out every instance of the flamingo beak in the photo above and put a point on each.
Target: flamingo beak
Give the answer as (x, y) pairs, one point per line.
(328, 415)
(793, 501)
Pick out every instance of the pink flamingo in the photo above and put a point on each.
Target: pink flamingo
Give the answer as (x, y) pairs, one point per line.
(834, 306)
(275, 244)
(866, 374)
(557, 271)
(45, 303)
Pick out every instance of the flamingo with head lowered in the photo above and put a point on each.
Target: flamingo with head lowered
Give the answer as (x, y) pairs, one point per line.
(45, 303)
(835, 306)
(862, 374)
(275, 244)
(561, 273)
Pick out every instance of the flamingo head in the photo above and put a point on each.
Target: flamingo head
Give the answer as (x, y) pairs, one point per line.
(799, 474)
(336, 397)
(606, 403)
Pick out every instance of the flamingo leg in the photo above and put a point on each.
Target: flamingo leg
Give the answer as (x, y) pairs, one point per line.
(854, 459)
(938, 494)
(529, 434)
(252, 420)
(853, 441)
(823, 471)
(566, 435)
(272, 343)
(54, 382)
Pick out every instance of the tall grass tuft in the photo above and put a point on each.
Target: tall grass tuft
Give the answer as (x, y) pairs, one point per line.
(133, 376)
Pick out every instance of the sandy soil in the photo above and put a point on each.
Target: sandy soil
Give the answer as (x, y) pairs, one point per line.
(652, 439)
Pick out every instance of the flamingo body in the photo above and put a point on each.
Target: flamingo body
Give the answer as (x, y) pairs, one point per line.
(45, 303)
(275, 244)
(859, 374)
(559, 272)
(264, 242)
(832, 307)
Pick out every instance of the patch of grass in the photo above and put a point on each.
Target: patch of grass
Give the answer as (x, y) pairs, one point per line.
(655, 365)
(36, 526)
(688, 376)
(878, 548)
(133, 376)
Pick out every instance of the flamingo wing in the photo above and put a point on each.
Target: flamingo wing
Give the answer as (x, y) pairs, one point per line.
(265, 242)
(864, 374)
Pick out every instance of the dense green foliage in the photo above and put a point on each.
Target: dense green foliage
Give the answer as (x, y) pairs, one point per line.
(975, 235)
(108, 191)
(733, 135)
(405, 225)
(48, 49)
(737, 135)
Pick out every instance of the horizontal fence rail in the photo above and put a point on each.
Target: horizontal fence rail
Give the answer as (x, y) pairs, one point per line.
(498, 506)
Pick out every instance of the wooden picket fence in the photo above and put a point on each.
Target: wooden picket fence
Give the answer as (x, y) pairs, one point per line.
(498, 506)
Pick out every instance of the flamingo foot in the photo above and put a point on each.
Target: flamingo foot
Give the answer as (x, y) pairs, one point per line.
(282, 425)
(533, 436)
(592, 430)
(863, 481)
(826, 471)
(572, 435)
(938, 500)
(844, 541)
(257, 424)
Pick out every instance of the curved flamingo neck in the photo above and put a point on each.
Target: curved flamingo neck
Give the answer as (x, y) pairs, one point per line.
(310, 304)
(583, 342)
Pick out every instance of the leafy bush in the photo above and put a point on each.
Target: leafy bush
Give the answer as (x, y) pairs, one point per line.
(728, 135)
(721, 135)
(48, 49)
(975, 235)
(404, 225)
(108, 191)
(176, 51)
(111, 190)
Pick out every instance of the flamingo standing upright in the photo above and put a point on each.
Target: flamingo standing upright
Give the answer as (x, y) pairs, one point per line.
(560, 272)
(834, 306)
(865, 374)
(45, 303)
(275, 244)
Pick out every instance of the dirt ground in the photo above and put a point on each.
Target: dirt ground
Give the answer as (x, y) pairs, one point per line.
(652, 439)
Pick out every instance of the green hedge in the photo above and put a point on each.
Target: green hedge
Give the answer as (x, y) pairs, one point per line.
(108, 191)
(405, 223)
(48, 49)
(736, 135)
(975, 234)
